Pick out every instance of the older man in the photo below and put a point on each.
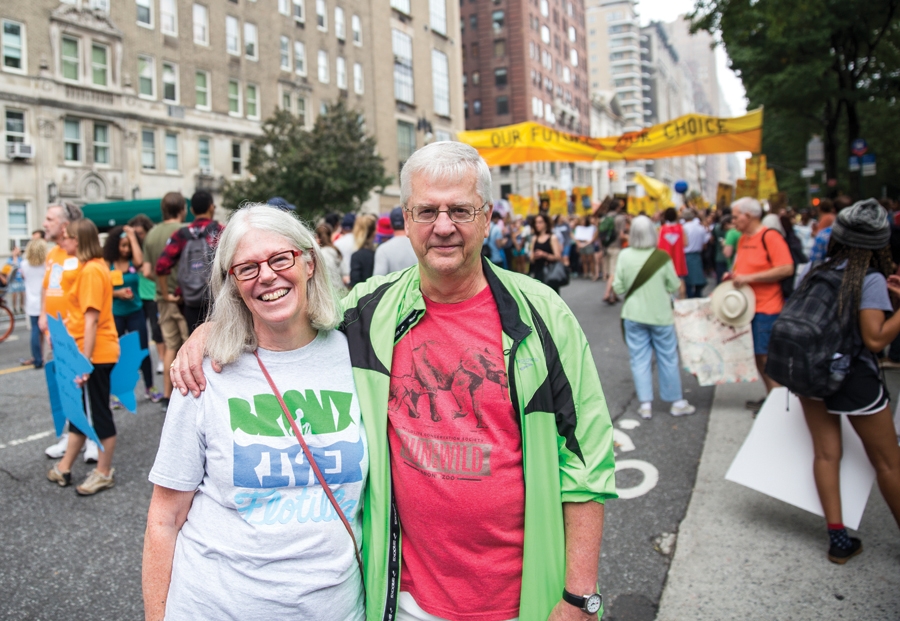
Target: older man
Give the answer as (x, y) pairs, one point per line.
(763, 260)
(479, 383)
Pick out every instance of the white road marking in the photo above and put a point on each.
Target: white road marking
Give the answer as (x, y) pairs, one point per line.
(629, 423)
(622, 441)
(31, 438)
(651, 477)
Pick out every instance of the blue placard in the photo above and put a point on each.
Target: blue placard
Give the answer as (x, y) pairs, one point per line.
(70, 363)
(59, 419)
(126, 373)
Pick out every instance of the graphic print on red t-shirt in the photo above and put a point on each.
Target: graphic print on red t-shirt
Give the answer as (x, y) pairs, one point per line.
(456, 459)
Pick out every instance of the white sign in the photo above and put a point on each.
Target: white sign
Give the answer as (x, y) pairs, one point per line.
(777, 460)
(808, 173)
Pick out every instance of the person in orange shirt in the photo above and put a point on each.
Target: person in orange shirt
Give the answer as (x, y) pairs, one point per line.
(763, 260)
(91, 324)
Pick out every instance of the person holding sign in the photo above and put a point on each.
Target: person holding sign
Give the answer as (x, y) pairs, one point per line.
(239, 491)
(91, 324)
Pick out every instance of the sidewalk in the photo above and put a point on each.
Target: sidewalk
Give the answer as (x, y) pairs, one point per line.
(741, 554)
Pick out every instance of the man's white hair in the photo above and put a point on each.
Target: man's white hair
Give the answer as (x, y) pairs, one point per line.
(749, 206)
(449, 162)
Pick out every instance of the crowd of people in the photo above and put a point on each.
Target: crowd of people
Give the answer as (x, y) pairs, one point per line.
(334, 380)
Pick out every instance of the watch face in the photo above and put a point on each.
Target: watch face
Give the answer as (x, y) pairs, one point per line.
(593, 603)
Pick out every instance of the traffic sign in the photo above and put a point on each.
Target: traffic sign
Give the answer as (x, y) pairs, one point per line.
(808, 173)
(853, 164)
(868, 165)
(859, 147)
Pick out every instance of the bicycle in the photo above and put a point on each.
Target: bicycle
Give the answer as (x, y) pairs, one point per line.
(7, 318)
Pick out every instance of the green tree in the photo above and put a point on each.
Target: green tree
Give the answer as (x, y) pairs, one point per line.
(817, 66)
(332, 167)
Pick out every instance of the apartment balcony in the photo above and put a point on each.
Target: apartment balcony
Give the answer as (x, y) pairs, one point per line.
(625, 74)
(624, 61)
(624, 48)
(619, 38)
(621, 90)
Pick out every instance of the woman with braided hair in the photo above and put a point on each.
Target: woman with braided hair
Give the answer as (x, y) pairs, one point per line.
(859, 248)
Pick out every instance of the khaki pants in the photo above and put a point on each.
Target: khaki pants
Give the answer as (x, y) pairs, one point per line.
(172, 325)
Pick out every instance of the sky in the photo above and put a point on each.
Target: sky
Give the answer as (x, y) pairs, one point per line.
(669, 10)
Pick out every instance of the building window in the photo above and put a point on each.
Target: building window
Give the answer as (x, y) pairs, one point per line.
(100, 5)
(476, 77)
(545, 34)
(300, 57)
(15, 126)
(324, 76)
(285, 54)
(235, 158)
(442, 136)
(252, 101)
(473, 50)
(401, 5)
(356, 27)
(203, 155)
(201, 24)
(170, 82)
(234, 98)
(18, 224)
(502, 105)
(146, 77)
(537, 107)
(497, 20)
(440, 80)
(357, 78)
(171, 146)
(573, 57)
(340, 70)
(232, 35)
(473, 21)
(321, 16)
(99, 64)
(299, 11)
(545, 8)
(168, 17)
(284, 7)
(13, 46)
(403, 70)
(286, 101)
(71, 64)
(251, 48)
(572, 36)
(476, 106)
(406, 141)
(201, 89)
(145, 13)
(499, 48)
(72, 135)
(437, 10)
(301, 111)
(148, 149)
(500, 77)
(340, 28)
(101, 143)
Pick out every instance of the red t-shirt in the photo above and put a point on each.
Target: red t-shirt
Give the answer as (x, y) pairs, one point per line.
(671, 239)
(456, 459)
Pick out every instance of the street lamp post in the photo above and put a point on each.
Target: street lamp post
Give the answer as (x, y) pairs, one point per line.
(52, 192)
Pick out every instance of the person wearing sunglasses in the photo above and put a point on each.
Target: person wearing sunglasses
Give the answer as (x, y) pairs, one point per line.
(236, 496)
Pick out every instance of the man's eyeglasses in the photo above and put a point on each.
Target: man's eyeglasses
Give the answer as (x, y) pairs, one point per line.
(278, 262)
(426, 214)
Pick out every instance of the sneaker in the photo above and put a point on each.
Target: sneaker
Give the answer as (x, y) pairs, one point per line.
(90, 452)
(683, 410)
(114, 403)
(154, 395)
(96, 482)
(59, 449)
(842, 555)
(159, 368)
(755, 406)
(645, 413)
(63, 479)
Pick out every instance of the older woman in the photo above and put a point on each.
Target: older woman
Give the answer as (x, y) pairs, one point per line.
(648, 319)
(236, 496)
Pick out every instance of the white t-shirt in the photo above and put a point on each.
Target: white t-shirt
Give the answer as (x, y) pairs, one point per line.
(584, 233)
(34, 280)
(347, 246)
(261, 540)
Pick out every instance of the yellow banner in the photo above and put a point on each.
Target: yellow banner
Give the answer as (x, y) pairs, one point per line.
(756, 167)
(692, 134)
(746, 187)
(522, 205)
(768, 185)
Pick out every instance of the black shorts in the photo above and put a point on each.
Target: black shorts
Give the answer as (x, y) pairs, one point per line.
(97, 403)
(863, 391)
(152, 313)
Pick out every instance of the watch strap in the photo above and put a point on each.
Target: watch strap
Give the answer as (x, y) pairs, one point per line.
(576, 600)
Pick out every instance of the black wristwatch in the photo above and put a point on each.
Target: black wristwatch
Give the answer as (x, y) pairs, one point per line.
(589, 603)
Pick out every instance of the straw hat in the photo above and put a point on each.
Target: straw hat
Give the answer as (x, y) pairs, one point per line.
(733, 306)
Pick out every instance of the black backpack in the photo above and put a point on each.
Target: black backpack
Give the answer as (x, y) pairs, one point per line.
(195, 264)
(797, 256)
(811, 346)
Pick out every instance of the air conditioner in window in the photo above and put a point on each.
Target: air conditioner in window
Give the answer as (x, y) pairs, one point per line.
(206, 172)
(19, 150)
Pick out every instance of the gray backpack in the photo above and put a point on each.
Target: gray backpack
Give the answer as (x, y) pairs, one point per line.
(195, 264)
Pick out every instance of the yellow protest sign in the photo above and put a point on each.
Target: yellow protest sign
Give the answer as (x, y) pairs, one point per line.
(768, 185)
(522, 205)
(724, 195)
(756, 167)
(692, 134)
(746, 187)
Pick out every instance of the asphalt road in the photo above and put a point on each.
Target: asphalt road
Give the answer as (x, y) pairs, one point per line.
(66, 557)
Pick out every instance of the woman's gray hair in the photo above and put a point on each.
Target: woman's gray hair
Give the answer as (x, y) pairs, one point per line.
(234, 333)
(448, 162)
(643, 233)
(749, 206)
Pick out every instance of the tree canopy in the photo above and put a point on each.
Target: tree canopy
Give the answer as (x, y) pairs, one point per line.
(332, 167)
(826, 67)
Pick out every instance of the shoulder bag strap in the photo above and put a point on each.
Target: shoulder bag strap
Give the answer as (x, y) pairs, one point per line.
(654, 262)
(312, 463)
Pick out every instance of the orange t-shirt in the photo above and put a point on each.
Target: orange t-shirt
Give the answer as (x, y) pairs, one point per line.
(62, 271)
(752, 258)
(93, 289)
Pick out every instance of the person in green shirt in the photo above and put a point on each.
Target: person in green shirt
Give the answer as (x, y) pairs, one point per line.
(720, 232)
(730, 248)
(649, 322)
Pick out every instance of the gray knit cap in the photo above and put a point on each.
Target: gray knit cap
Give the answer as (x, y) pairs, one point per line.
(862, 225)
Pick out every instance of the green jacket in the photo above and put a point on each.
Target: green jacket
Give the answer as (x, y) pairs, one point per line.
(567, 436)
